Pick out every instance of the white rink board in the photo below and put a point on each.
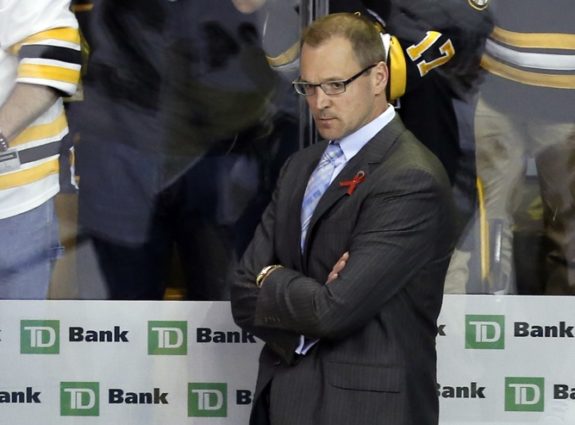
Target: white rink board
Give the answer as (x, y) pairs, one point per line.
(495, 364)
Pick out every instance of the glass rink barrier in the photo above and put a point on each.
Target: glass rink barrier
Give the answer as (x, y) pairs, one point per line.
(149, 179)
(501, 360)
(141, 142)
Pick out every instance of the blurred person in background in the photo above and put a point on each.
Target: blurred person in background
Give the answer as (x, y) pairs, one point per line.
(179, 132)
(525, 114)
(39, 64)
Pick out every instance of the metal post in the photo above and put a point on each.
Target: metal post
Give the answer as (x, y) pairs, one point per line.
(309, 10)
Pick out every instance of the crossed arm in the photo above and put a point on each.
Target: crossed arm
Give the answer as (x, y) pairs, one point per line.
(392, 240)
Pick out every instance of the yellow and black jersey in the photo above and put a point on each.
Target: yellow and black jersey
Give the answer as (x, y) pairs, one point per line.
(428, 36)
(408, 63)
(422, 96)
(446, 37)
(530, 58)
(40, 45)
(433, 57)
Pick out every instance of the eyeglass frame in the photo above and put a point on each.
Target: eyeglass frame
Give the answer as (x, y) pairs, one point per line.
(322, 85)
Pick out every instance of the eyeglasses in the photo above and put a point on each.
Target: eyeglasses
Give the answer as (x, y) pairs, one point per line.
(329, 87)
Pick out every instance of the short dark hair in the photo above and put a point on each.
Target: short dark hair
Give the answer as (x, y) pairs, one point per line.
(363, 34)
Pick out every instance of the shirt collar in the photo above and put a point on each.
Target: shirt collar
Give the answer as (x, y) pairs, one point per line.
(352, 143)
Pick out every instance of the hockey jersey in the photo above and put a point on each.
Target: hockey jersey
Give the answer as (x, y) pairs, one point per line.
(39, 44)
(530, 59)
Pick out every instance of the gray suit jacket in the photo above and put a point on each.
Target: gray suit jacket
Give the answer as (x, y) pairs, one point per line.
(375, 362)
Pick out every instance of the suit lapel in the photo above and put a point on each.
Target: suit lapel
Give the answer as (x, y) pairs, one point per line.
(366, 160)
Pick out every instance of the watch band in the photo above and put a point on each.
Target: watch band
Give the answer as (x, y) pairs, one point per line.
(266, 271)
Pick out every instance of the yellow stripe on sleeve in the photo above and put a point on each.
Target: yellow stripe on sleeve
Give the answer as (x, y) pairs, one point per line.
(49, 72)
(67, 34)
(534, 40)
(538, 79)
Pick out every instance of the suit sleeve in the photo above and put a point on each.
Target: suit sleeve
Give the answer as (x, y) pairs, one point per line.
(245, 293)
(394, 238)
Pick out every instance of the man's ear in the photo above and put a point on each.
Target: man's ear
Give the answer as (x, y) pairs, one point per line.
(381, 77)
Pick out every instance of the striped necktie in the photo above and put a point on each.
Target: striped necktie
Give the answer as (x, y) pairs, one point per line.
(318, 183)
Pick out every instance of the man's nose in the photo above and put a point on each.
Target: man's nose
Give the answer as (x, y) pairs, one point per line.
(320, 99)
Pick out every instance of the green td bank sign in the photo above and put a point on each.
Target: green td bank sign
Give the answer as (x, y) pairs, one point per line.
(485, 332)
(79, 399)
(524, 394)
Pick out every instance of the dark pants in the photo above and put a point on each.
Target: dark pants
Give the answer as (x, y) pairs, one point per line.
(185, 230)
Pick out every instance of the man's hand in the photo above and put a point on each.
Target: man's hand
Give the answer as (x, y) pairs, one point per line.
(339, 265)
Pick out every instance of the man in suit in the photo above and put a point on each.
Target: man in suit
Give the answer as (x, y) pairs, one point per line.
(347, 302)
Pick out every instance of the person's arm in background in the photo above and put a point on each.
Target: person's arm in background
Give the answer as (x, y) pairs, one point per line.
(43, 37)
(26, 103)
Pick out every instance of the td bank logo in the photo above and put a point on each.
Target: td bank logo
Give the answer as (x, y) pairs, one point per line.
(168, 337)
(524, 394)
(79, 399)
(484, 332)
(39, 336)
(207, 400)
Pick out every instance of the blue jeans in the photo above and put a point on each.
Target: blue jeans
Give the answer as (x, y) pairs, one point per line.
(29, 246)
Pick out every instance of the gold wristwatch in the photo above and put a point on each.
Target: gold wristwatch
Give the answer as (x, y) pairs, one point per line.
(265, 273)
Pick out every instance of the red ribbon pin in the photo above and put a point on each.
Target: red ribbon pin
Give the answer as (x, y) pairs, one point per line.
(352, 184)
